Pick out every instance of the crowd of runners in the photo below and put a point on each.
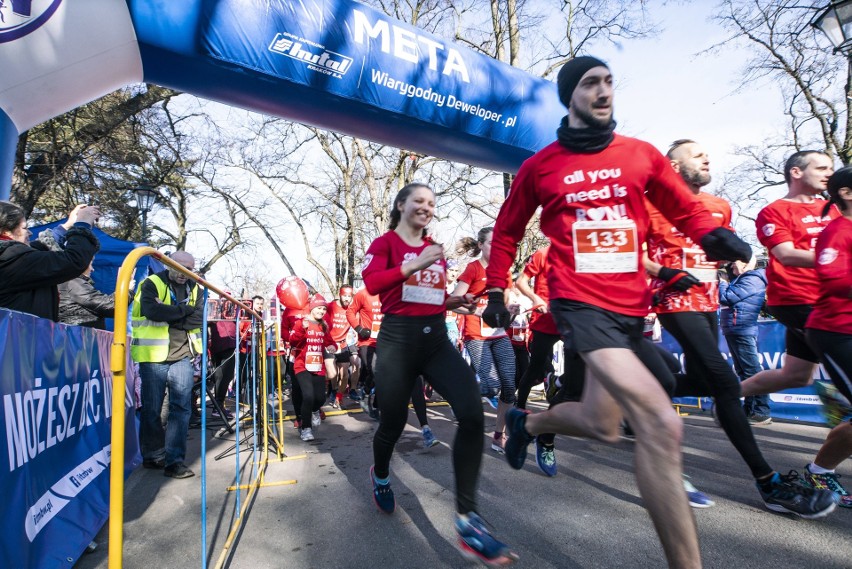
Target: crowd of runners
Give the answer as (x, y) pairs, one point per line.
(633, 238)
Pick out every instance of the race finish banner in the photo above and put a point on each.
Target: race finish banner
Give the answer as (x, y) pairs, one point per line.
(56, 389)
(799, 404)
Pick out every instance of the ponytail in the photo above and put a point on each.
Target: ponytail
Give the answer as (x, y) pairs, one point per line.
(471, 246)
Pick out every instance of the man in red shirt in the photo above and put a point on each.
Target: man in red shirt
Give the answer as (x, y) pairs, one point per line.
(346, 359)
(687, 306)
(591, 185)
(364, 314)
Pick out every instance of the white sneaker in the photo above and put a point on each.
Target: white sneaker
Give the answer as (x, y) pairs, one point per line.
(316, 420)
(307, 434)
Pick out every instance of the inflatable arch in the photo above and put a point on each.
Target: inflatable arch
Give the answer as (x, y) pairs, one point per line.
(333, 64)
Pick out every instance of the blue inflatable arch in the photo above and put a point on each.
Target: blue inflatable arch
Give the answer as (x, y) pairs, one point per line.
(335, 64)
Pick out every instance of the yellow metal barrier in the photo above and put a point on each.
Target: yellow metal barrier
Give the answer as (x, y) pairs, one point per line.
(119, 379)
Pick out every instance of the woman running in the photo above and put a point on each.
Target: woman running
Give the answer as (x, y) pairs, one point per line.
(408, 272)
(829, 330)
(312, 343)
(490, 349)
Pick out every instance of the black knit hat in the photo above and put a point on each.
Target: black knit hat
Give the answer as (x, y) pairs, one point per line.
(842, 178)
(572, 72)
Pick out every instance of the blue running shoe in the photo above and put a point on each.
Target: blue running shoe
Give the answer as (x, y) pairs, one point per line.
(697, 498)
(519, 438)
(545, 458)
(786, 494)
(382, 494)
(492, 401)
(354, 395)
(429, 439)
(477, 543)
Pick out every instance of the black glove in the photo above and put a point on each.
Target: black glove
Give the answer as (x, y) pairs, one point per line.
(677, 279)
(363, 333)
(495, 314)
(723, 245)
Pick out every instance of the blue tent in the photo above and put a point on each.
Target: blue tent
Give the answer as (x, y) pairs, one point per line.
(108, 260)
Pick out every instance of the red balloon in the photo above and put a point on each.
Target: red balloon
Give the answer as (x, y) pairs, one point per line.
(292, 292)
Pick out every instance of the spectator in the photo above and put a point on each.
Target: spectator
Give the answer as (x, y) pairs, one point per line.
(741, 300)
(81, 304)
(166, 320)
(30, 274)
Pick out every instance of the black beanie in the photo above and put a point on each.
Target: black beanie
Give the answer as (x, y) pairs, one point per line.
(571, 73)
(842, 178)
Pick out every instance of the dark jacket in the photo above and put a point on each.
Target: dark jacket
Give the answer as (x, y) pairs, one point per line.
(81, 304)
(742, 300)
(29, 276)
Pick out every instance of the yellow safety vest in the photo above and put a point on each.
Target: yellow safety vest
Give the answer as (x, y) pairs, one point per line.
(150, 341)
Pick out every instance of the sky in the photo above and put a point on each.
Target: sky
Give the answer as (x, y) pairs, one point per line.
(666, 89)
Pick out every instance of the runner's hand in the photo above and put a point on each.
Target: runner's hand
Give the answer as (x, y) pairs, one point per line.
(723, 245)
(495, 314)
(677, 279)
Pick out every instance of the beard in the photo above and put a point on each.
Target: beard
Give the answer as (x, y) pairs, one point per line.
(590, 120)
(695, 178)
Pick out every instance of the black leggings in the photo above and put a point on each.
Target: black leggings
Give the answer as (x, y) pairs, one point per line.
(835, 353)
(412, 346)
(368, 366)
(541, 362)
(312, 387)
(708, 374)
(418, 401)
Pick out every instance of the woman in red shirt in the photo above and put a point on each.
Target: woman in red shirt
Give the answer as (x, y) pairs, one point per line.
(311, 342)
(408, 272)
(490, 350)
(829, 331)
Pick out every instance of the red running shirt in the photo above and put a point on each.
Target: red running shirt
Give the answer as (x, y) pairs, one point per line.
(308, 347)
(593, 211)
(798, 223)
(474, 327)
(536, 269)
(365, 310)
(422, 294)
(833, 309)
(335, 316)
(668, 246)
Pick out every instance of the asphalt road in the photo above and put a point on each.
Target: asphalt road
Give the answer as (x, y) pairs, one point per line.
(589, 516)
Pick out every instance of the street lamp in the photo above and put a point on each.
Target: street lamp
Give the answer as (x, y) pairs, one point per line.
(835, 21)
(145, 198)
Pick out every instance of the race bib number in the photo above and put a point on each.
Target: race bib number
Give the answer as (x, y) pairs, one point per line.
(696, 264)
(313, 362)
(605, 246)
(518, 333)
(426, 286)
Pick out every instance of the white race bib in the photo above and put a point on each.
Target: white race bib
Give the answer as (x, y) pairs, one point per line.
(608, 246)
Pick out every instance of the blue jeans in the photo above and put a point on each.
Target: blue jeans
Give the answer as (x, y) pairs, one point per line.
(157, 442)
(747, 363)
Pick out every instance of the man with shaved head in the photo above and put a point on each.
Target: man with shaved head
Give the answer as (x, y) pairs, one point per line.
(166, 326)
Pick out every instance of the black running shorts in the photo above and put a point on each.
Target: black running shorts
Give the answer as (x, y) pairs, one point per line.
(592, 328)
(794, 317)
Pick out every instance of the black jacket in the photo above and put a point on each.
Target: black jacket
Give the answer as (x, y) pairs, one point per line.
(81, 304)
(29, 276)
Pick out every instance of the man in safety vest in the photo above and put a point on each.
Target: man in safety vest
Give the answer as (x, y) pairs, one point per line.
(166, 324)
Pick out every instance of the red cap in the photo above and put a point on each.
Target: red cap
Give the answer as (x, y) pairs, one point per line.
(317, 301)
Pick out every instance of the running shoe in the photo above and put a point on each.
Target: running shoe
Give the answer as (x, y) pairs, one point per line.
(382, 494)
(552, 387)
(697, 498)
(307, 434)
(354, 395)
(497, 443)
(835, 407)
(518, 439)
(545, 458)
(787, 494)
(829, 481)
(757, 419)
(477, 543)
(429, 439)
(297, 423)
(316, 420)
(333, 402)
(492, 401)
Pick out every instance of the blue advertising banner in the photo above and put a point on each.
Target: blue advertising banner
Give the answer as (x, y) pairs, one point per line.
(56, 389)
(800, 404)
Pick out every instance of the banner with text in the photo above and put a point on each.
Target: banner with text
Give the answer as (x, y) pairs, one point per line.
(56, 389)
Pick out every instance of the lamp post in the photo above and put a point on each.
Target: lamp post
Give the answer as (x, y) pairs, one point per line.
(145, 198)
(835, 21)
